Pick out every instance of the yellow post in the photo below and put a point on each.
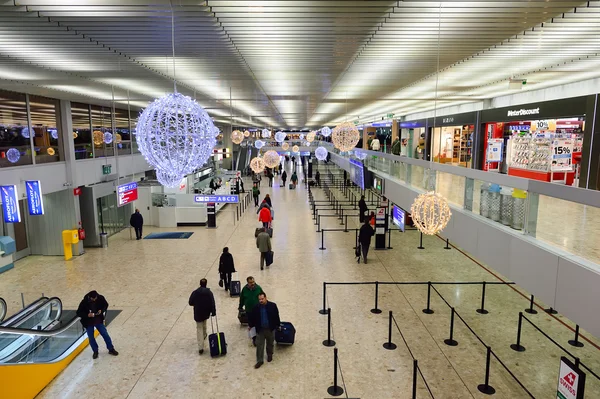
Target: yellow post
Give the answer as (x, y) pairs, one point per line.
(69, 237)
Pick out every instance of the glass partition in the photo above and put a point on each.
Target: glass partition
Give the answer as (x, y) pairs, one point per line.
(43, 114)
(15, 145)
(82, 130)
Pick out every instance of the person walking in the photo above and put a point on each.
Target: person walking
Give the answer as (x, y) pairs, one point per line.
(294, 179)
(263, 243)
(270, 177)
(263, 204)
(137, 221)
(249, 298)
(255, 194)
(264, 215)
(283, 178)
(364, 238)
(318, 178)
(268, 200)
(91, 311)
(203, 301)
(226, 267)
(265, 318)
(362, 208)
(396, 147)
(372, 219)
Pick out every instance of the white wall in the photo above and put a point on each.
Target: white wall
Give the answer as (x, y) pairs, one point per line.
(89, 171)
(53, 176)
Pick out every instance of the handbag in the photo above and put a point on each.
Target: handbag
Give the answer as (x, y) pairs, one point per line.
(221, 283)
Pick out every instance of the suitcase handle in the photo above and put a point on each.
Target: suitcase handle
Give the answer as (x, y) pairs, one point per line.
(211, 324)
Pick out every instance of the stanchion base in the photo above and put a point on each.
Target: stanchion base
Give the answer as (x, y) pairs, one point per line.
(323, 311)
(428, 311)
(450, 248)
(345, 231)
(322, 248)
(517, 348)
(390, 248)
(329, 343)
(482, 311)
(530, 311)
(486, 389)
(550, 311)
(577, 344)
(420, 247)
(335, 390)
(390, 346)
(376, 311)
(450, 342)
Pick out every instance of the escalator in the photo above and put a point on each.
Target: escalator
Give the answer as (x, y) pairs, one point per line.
(3, 309)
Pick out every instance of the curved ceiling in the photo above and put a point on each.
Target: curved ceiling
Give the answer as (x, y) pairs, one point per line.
(293, 64)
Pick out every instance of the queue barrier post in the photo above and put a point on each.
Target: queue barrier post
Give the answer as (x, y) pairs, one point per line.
(482, 309)
(376, 310)
(575, 342)
(335, 389)
(486, 388)
(551, 310)
(531, 310)
(451, 341)
(447, 244)
(414, 384)
(390, 239)
(428, 310)
(322, 239)
(389, 345)
(421, 242)
(324, 310)
(346, 225)
(329, 342)
(518, 347)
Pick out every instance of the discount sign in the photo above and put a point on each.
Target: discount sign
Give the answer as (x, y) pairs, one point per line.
(561, 154)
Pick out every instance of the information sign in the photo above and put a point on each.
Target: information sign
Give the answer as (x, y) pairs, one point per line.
(34, 197)
(126, 193)
(357, 174)
(223, 199)
(562, 159)
(398, 217)
(571, 381)
(10, 204)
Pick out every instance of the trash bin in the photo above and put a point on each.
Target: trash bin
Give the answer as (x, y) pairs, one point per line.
(103, 240)
(506, 206)
(484, 200)
(495, 202)
(518, 212)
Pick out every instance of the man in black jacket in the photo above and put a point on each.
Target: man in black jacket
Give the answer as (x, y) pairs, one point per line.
(91, 311)
(137, 221)
(203, 302)
(362, 208)
(265, 317)
(364, 238)
(226, 267)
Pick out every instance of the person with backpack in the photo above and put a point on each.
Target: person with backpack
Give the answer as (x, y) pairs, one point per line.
(255, 194)
(203, 301)
(264, 215)
(226, 268)
(364, 238)
(294, 179)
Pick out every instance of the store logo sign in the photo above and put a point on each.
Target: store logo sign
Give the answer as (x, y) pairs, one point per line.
(522, 111)
(447, 120)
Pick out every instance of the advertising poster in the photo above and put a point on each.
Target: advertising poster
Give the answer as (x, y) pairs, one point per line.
(126, 193)
(34, 197)
(494, 150)
(562, 159)
(398, 217)
(10, 204)
(571, 381)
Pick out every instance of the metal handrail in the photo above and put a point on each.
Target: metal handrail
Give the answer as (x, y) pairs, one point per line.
(39, 333)
(3, 309)
(27, 310)
(37, 309)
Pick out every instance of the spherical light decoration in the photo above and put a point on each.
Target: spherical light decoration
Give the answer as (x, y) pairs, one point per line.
(237, 137)
(246, 133)
(257, 164)
(345, 136)
(321, 153)
(108, 137)
(271, 158)
(259, 144)
(430, 213)
(25, 132)
(75, 135)
(175, 134)
(13, 155)
(98, 138)
(167, 179)
(118, 138)
(50, 151)
(301, 136)
(285, 146)
(216, 130)
(53, 133)
(325, 131)
(266, 133)
(280, 136)
(295, 148)
(310, 137)
(360, 155)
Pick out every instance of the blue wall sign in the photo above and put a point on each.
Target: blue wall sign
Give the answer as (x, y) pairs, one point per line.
(34, 197)
(10, 204)
(223, 199)
(398, 217)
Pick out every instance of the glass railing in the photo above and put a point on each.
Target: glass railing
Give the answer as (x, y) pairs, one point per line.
(25, 312)
(559, 216)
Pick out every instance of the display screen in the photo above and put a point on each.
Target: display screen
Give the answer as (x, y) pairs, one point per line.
(357, 173)
(398, 217)
(126, 193)
(34, 197)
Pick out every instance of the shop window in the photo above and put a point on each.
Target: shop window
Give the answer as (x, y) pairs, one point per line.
(133, 123)
(103, 136)
(15, 146)
(123, 136)
(82, 131)
(46, 141)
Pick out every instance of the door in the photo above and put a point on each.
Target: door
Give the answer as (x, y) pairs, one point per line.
(20, 234)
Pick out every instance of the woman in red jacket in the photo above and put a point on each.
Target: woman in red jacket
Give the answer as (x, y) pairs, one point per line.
(264, 216)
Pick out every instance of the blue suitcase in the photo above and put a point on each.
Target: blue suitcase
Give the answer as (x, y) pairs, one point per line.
(216, 342)
(286, 334)
(269, 258)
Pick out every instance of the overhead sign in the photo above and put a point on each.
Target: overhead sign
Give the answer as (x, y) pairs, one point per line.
(223, 199)
(34, 197)
(522, 111)
(562, 158)
(398, 217)
(10, 204)
(126, 193)
(494, 150)
(571, 381)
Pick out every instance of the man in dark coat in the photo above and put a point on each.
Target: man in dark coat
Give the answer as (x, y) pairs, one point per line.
(318, 178)
(137, 221)
(283, 178)
(226, 267)
(265, 318)
(364, 237)
(203, 302)
(91, 311)
(362, 208)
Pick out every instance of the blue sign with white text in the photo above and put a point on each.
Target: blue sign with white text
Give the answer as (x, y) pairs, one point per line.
(223, 199)
(34, 197)
(10, 204)
(398, 217)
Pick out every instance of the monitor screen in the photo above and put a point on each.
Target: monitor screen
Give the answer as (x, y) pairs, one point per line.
(357, 173)
(398, 217)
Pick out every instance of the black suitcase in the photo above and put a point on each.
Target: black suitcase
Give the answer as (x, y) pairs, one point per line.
(216, 341)
(269, 258)
(235, 288)
(285, 334)
(243, 317)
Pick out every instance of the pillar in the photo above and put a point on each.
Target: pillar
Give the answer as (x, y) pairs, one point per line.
(395, 130)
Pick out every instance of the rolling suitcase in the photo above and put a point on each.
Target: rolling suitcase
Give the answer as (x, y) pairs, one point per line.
(291, 186)
(285, 334)
(269, 258)
(216, 341)
(243, 317)
(235, 287)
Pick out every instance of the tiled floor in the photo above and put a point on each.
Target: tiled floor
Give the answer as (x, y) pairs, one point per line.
(150, 280)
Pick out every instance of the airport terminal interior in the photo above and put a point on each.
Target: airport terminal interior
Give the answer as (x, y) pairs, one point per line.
(414, 184)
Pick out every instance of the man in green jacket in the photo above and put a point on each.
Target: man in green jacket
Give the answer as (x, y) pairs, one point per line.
(249, 297)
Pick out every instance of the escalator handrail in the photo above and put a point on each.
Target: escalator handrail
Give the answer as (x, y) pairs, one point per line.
(4, 309)
(39, 333)
(26, 310)
(30, 314)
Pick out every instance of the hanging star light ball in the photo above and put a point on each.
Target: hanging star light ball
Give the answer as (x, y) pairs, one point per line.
(246, 133)
(167, 179)
(237, 137)
(53, 133)
(257, 164)
(259, 144)
(295, 148)
(50, 151)
(108, 137)
(325, 131)
(310, 137)
(266, 133)
(25, 132)
(280, 136)
(98, 137)
(430, 213)
(118, 138)
(321, 153)
(13, 155)
(271, 158)
(175, 134)
(360, 155)
(301, 136)
(345, 136)
(285, 146)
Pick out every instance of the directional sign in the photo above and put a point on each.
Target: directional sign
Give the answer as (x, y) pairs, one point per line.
(10, 204)
(223, 199)
(34, 197)
(126, 193)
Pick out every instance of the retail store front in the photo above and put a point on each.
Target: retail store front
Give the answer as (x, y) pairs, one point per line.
(412, 137)
(451, 138)
(540, 141)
